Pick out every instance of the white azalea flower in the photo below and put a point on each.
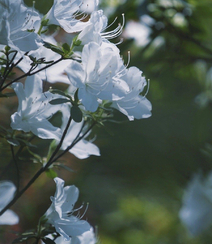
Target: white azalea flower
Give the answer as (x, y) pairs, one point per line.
(7, 190)
(196, 212)
(65, 13)
(34, 109)
(83, 149)
(95, 75)
(18, 25)
(60, 213)
(133, 105)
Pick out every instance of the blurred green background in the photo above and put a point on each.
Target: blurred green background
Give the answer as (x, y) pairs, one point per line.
(135, 188)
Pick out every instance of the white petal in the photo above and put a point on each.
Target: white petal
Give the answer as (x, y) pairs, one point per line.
(7, 190)
(83, 149)
(45, 130)
(88, 100)
(71, 195)
(33, 86)
(71, 226)
(75, 74)
(9, 218)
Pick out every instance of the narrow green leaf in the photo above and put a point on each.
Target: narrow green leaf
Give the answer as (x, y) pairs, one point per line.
(57, 91)
(59, 101)
(43, 220)
(36, 156)
(53, 48)
(76, 99)
(13, 142)
(64, 167)
(52, 147)
(24, 237)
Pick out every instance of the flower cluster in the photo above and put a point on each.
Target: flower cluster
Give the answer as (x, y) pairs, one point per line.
(96, 79)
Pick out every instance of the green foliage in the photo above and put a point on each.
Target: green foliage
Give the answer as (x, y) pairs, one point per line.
(76, 113)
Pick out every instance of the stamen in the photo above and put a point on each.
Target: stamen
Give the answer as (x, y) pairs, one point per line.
(85, 211)
(128, 61)
(121, 40)
(116, 32)
(110, 24)
(148, 85)
(75, 210)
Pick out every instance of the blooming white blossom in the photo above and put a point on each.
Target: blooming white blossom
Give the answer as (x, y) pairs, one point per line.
(34, 109)
(103, 76)
(196, 212)
(134, 105)
(94, 76)
(18, 26)
(7, 190)
(61, 212)
(65, 13)
(82, 149)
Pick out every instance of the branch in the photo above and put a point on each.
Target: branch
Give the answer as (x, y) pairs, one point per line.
(29, 73)
(49, 163)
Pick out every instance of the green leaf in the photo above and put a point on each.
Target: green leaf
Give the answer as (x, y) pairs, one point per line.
(59, 101)
(52, 148)
(64, 167)
(44, 22)
(57, 91)
(26, 143)
(48, 241)
(53, 48)
(66, 48)
(76, 99)
(13, 142)
(51, 173)
(24, 237)
(43, 220)
(68, 56)
(36, 156)
(76, 114)
(76, 41)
